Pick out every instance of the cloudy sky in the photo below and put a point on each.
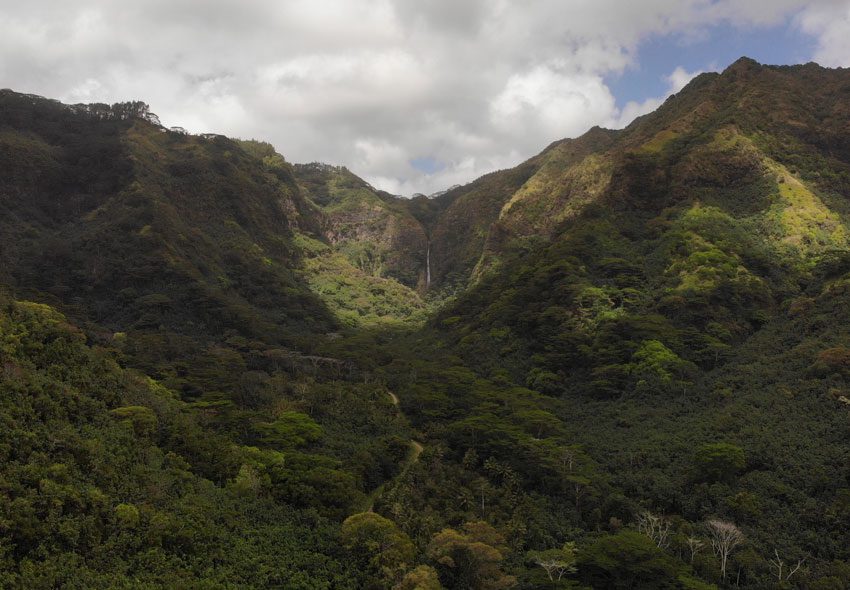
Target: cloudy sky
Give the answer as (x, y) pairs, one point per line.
(413, 95)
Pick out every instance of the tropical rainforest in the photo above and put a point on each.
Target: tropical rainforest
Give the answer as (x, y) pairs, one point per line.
(623, 364)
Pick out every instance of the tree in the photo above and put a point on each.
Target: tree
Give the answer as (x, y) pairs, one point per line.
(655, 527)
(291, 429)
(719, 461)
(627, 560)
(423, 577)
(695, 545)
(832, 360)
(725, 536)
(539, 422)
(779, 564)
(576, 470)
(376, 541)
(471, 558)
(654, 365)
(143, 420)
(127, 516)
(250, 388)
(556, 562)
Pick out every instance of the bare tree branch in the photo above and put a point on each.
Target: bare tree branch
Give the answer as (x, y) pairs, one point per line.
(695, 545)
(655, 527)
(725, 536)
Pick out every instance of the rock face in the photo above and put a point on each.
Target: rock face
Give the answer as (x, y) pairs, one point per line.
(375, 230)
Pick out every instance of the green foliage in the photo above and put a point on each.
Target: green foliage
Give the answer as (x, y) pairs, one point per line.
(628, 560)
(697, 297)
(290, 430)
(359, 298)
(656, 365)
(557, 563)
(422, 577)
(218, 405)
(373, 232)
(127, 516)
(143, 420)
(470, 559)
(719, 461)
(101, 487)
(384, 550)
(833, 361)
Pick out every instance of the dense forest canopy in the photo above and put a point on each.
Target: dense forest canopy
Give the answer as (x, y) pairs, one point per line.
(624, 363)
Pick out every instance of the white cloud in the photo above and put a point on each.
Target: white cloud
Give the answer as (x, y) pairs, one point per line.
(830, 24)
(86, 91)
(676, 80)
(679, 78)
(373, 84)
(547, 102)
(631, 111)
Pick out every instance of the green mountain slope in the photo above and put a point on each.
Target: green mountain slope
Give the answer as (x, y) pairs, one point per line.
(371, 265)
(103, 487)
(180, 257)
(144, 228)
(678, 331)
(373, 229)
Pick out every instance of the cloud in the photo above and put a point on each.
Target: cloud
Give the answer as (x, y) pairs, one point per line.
(830, 25)
(377, 85)
(676, 80)
(680, 77)
(547, 100)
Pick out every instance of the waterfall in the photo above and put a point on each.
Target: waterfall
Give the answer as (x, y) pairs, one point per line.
(428, 264)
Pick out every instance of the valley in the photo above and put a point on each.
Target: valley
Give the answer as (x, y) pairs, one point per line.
(220, 369)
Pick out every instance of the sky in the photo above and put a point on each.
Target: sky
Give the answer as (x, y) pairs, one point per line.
(412, 95)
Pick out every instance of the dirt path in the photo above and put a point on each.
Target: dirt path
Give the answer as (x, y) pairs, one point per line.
(412, 457)
(416, 449)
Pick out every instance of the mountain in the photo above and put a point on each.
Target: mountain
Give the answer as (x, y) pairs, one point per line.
(141, 227)
(374, 228)
(667, 300)
(177, 415)
(708, 210)
(371, 264)
(108, 480)
(222, 369)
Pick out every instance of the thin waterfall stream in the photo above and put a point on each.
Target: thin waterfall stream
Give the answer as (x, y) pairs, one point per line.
(428, 264)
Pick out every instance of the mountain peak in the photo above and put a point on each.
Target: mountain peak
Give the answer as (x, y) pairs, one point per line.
(742, 68)
(743, 63)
